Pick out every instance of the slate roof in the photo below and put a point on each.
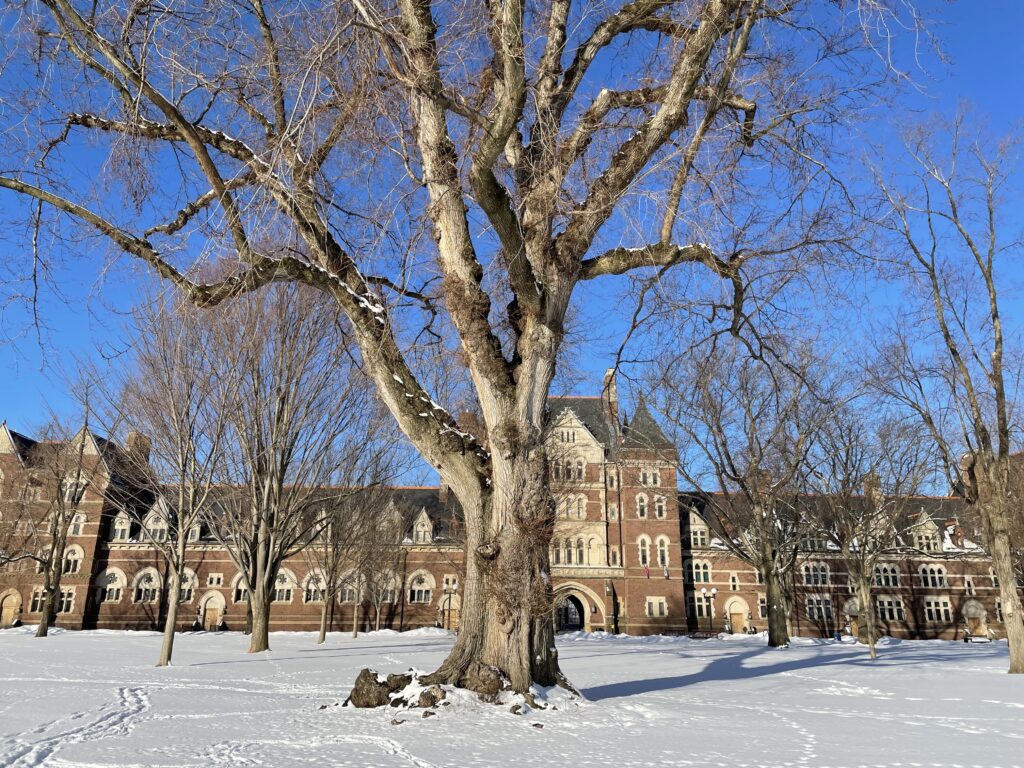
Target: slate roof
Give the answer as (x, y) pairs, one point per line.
(22, 444)
(643, 431)
(590, 410)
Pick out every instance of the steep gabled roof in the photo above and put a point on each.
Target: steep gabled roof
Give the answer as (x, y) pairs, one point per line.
(592, 411)
(644, 431)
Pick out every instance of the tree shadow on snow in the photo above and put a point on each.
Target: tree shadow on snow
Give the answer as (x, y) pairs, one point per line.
(725, 668)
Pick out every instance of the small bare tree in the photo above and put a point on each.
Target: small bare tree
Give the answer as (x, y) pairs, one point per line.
(298, 425)
(380, 557)
(65, 465)
(861, 475)
(949, 360)
(177, 408)
(744, 429)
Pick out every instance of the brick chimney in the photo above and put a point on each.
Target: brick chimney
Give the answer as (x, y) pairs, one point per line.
(139, 447)
(610, 393)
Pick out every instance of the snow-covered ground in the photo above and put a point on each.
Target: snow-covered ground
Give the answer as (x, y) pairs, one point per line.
(94, 699)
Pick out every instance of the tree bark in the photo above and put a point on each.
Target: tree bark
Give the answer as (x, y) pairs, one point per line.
(778, 610)
(322, 637)
(51, 588)
(996, 524)
(259, 603)
(355, 619)
(505, 619)
(170, 623)
(866, 614)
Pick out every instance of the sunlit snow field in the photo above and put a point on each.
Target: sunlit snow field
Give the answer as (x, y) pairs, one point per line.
(95, 699)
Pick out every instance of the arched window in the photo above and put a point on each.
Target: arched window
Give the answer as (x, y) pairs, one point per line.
(77, 524)
(284, 586)
(556, 468)
(641, 506)
(239, 592)
(122, 527)
(594, 556)
(568, 551)
(73, 557)
(933, 576)
(568, 469)
(662, 551)
(580, 507)
(73, 489)
(659, 508)
(645, 550)
(615, 556)
(556, 554)
(146, 586)
(702, 572)
(422, 533)
(110, 585)
(887, 575)
(421, 587)
(579, 552)
(816, 574)
(579, 469)
(187, 586)
(156, 527)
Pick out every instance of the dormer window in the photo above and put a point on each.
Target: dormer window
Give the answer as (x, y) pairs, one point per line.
(422, 532)
(926, 541)
(122, 528)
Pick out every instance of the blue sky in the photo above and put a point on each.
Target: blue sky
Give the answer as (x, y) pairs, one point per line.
(980, 37)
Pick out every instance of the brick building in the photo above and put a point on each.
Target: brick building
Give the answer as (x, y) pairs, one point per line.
(629, 553)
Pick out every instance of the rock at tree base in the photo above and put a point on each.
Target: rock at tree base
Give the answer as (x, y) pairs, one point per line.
(370, 691)
(430, 697)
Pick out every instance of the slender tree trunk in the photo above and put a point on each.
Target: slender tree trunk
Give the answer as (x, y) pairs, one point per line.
(778, 608)
(322, 637)
(170, 623)
(51, 587)
(259, 603)
(355, 619)
(376, 622)
(866, 613)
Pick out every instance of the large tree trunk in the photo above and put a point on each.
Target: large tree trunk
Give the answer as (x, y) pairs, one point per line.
(170, 623)
(866, 613)
(506, 620)
(1002, 563)
(259, 603)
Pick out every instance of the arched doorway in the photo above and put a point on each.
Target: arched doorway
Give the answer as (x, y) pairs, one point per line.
(10, 608)
(449, 612)
(211, 611)
(975, 617)
(737, 611)
(570, 614)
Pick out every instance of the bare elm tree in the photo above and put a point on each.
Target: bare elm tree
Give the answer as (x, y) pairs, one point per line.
(448, 172)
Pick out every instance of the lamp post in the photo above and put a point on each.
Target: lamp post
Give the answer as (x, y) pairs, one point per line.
(449, 591)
